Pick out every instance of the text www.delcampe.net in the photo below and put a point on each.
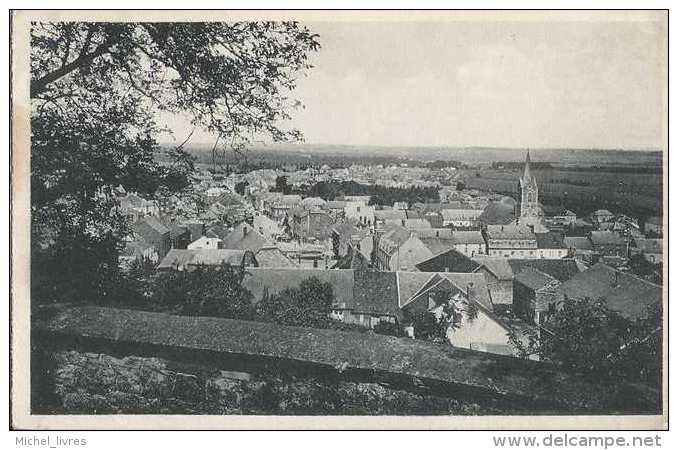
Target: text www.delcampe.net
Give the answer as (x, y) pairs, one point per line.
(567, 440)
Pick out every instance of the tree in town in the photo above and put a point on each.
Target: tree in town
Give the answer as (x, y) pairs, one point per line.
(281, 184)
(450, 312)
(204, 291)
(96, 90)
(308, 305)
(586, 336)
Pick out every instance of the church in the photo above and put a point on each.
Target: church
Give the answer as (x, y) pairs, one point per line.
(531, 212)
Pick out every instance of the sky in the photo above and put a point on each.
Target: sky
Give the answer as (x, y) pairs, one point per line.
(539, 84)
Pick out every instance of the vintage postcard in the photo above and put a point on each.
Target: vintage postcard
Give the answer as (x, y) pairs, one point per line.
(339, 220)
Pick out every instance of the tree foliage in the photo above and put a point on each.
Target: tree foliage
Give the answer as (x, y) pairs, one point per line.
(96, 89)
(204, 291)
(586, 336)
(307, 305)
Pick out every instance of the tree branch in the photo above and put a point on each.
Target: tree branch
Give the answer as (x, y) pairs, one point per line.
(40, 85)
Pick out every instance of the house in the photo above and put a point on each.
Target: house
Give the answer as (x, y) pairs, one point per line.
(462, 217)
(267, 227)
(284, 204)
(651, 249)
(335, 209)
(306, 255)
(205, 242)
(511, 241)
(560, 269)
(346, 236)
(359, 212)
(362, 199)
(580, 248)
(608, 243)
(624, 293)
(601, 216)
(382, 215)
(401, 205)
(533, 292)
(470, 243)
(180, 236)
(558, 217)
(270, 256)
(190, 259)
(244, 237)
(153, 232)
(313, 203)
(654, 226)
(486, 332)
(375, 300)
(195, 230)
(416, 224)
(551, 245)
(135, 207)
(434, 218)
(311, 224)
(399, 249)
(499, 279)
(353, 259)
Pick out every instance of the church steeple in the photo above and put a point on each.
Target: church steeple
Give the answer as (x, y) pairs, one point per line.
(527, 176)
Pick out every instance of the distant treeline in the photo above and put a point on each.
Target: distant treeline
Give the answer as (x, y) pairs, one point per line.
(614, 169)
(285, 160)
(381, 195)
(579, 168)
(519, 165)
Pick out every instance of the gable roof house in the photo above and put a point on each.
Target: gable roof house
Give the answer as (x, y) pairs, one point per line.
(551, 245)
(153, 232)
(244, 237)
(511, 241)
(533, 291)
(400, 249)
(499, 278)
(627, 294)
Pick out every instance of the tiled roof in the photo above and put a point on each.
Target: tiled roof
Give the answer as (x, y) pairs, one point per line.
(606, 238)
(560, 269)
(499, 267)
(510, 232)
(578, 242)
(177, 258)
(390, 214)
(271, 256)
(375, 292)
(449, 261)
(244, 237)
(551, 239)
(624, 293)
(533, 278)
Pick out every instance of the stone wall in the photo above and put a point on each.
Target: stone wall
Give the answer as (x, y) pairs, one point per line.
(96, 383)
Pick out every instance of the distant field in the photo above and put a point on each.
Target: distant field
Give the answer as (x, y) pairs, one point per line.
(341, 155)
(634, 193)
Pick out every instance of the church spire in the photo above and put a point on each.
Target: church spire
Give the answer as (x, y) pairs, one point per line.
(527, 176)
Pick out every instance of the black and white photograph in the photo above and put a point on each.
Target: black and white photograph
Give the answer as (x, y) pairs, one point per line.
(327, 219)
